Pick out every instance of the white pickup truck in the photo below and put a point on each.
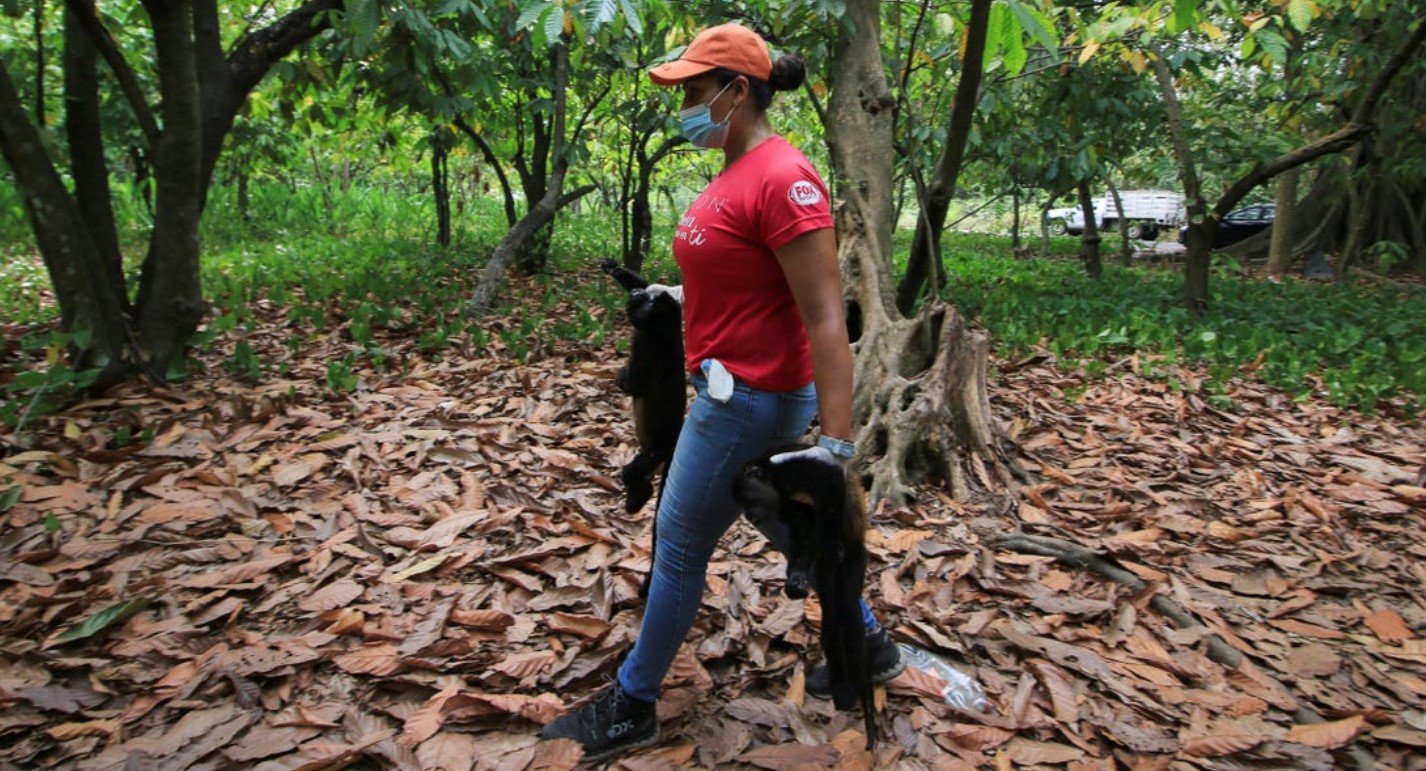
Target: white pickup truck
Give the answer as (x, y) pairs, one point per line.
(1148, 212)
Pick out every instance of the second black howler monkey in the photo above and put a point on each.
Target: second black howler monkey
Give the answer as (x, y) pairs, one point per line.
(813, 513)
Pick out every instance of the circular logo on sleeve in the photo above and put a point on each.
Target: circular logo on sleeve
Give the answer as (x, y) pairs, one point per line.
(804, 193)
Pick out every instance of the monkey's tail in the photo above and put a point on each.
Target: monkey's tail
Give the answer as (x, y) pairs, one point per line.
(844, 639)
(861, 669)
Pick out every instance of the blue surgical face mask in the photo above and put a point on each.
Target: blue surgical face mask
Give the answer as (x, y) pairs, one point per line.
(699, 127)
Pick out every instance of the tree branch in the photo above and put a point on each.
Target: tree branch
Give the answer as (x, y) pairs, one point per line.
(1361, 124)
(491, 158)
(1078, 556)
(253, 55)
(1335, 142)
(574, 195)
(1366, 110)
(84, 10)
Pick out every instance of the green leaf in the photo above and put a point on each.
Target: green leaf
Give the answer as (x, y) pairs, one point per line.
(631, 15)
(110, 615)
(1299, 12)
(530, 12)
(1185, 13)
(994, 33)
(1273, 45)
(602, 12)
(554, 26)
(364, 16)
(1034, 22)
(1015, 53)
(9, 498)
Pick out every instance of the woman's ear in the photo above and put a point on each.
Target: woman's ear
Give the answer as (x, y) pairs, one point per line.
(744, 89)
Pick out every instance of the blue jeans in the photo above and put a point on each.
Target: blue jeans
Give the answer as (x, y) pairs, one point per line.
(697, 507)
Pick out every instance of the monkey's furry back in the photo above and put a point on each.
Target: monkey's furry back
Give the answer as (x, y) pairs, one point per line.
(814, 514)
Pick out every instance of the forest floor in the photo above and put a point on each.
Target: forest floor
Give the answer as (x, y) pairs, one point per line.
(422, 571)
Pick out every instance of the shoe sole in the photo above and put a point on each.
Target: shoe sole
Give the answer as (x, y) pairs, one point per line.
(620, 749)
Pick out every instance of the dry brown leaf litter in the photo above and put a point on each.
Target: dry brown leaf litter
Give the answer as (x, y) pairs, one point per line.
(421, 573)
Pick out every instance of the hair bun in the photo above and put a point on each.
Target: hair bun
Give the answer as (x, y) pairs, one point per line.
(788, 73)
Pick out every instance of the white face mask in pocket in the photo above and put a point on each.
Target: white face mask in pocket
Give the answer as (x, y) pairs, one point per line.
(720, 380)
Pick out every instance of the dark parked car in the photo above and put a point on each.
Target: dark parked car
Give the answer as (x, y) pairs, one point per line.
(1238, 225)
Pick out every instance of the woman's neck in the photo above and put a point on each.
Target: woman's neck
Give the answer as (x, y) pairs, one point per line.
(740, 144)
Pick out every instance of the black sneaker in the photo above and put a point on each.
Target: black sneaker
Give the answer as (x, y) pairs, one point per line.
(883, 659)
(610, 723)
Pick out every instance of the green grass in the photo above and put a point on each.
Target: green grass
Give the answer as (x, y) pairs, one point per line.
(1354, 345)
(365, 264)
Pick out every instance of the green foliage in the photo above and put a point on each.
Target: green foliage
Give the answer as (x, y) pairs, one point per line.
(1352, 345)
(341, 375)
(9, 497)
(361, 265)
(110, 615)
(1388, 254)
(45, 380)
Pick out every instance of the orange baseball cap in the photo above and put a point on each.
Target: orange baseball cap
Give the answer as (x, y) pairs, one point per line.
(731, 46)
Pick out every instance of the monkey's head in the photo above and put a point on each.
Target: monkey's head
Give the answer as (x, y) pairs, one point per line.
(785, 513)
(654, 310)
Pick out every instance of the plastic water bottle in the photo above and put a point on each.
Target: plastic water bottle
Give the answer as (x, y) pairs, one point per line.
(962, 691)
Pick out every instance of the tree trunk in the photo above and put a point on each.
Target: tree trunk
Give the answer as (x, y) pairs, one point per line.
(1126, 251)
(83, 131)
(170, 302)
(1200, 225)
(640, 206)
(539, 217)
(1015, 219)
(87, 301)
(74, 231)
(488, 153)
(244, 200)
(920, 405)
(924, 269)
(1414, 217)
(517, 243)
(1363, 205)
(441, 190)
(1089, 239)
(1284, 222)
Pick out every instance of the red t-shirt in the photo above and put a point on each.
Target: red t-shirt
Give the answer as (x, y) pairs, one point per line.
(737, 307)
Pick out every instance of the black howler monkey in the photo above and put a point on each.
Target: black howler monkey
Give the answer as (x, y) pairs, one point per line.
(654, 376)
(814, 514)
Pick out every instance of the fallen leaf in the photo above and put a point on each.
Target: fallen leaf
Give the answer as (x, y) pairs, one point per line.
(1401, 735)
(1220, 745)
(1328, 736)
(447, 751)
(333, 595)
(784, 757)
(381, 660)
(1388, 626)
(109, 615)
(1028, 752)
